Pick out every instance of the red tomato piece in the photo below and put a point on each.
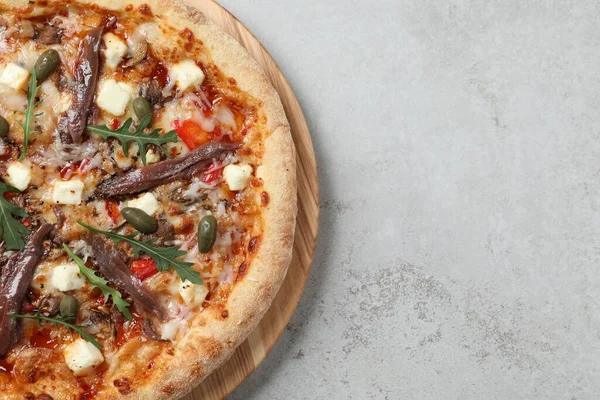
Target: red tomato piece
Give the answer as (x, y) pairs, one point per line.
(212, 173)
(69, 170)
(112, 208)
(216, 135)
(115, 124)
(84, 164)
(143, 268)
(191, 133)
(160, 74)
(27, 307)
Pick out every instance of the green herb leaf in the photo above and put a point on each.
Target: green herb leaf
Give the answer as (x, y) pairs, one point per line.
(126, 136)
(31, 104)
(164, 257)
(59, 321)
(102, 284)
(12, 231)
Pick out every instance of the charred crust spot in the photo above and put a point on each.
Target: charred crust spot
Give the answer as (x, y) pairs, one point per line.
(32, 376)
(242, 269)
(170, 352)
(197, 369)
(225, 314)
(253, 245)
(145, 9)
(264, 198)
(212, 347)
(123, 385)
(169, 389)
(188, 36)
(187, 226)
(232, 81)
(245, 151)
(29, 396)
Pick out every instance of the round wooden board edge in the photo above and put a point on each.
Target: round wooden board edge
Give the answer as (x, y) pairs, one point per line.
(253, 351)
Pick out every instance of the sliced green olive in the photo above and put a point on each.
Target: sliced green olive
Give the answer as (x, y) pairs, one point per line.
(141, 107)
(46, 64)
(139, 220)
(207, 233)
(69, 306)
(4, 127)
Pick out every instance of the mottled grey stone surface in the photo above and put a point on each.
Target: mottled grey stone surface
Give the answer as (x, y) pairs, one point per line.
(459, 159)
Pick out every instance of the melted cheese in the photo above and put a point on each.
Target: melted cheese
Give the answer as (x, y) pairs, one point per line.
(68, 192)
(18, 174)
(51, 97)
(14, 76)
(115, 50)
(66, 277)
(114, 97)
(82, 357)
(187, 75)
(12, 99)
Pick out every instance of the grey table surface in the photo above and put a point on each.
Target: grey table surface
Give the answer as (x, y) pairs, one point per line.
(459, 162)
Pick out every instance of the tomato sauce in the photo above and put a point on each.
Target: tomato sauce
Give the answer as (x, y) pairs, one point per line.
(42, 337)
(5, 366)
(129, 329)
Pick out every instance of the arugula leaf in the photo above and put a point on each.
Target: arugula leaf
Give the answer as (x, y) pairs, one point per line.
(102, 284)
(164, 257)
(59, 321)
(12, 231)
(31, 104)
(138, 136)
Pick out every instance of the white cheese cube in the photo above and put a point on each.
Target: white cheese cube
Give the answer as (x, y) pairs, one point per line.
(67, 277)
(152, 157)
(14, 76)
(113, 97)
(192, 294)
(82, 357)
(169, 330)
(146, 202)
(187, 74)
(115, 50)
(237, 176)
(67, 192)
(18, 175)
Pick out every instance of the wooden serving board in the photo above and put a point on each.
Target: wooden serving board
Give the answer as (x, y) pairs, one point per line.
(251, 353)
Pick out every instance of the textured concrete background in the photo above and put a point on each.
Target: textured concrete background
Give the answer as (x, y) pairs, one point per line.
(459, 161)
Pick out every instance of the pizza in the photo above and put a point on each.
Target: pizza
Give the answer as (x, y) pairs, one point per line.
(147, 198)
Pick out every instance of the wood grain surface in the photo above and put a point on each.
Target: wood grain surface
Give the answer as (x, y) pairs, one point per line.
(251, 353)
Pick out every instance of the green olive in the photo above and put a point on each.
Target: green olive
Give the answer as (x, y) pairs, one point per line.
(46, 64)
(69, 306)
(207, 233)
(141, 107)
(4, 127)
(139, 220)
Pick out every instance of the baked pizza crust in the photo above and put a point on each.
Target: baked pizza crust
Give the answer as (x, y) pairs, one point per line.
(211, 340)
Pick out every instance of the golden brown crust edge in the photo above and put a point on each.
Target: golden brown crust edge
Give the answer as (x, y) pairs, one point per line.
(209, 343)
